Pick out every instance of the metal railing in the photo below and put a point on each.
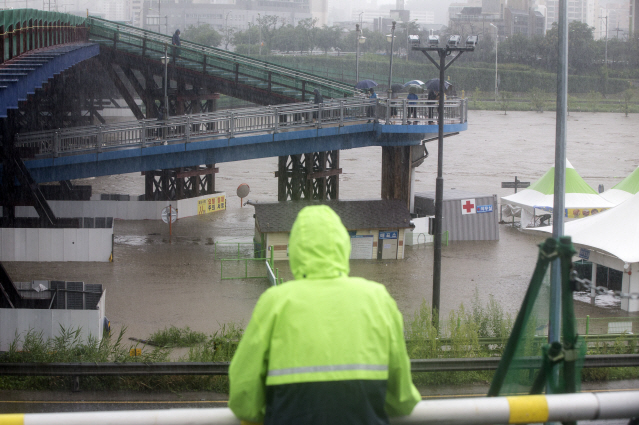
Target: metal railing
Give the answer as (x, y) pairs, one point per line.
(218, 62)
(425, 112)
(226, 124)
(221, 368)
(467, 411)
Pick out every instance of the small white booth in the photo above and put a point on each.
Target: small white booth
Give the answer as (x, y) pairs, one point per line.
(610, 239)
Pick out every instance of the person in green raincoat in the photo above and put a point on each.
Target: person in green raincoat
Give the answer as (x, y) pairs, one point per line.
(325, 348)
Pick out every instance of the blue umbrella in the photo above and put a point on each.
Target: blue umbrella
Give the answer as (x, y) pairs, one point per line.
(434, 84)
(414, 82)
(366, 84)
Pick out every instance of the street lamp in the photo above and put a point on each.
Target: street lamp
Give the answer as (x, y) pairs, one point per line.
(259, 21)
(606, 49)
(226, 30)
(165, 59)
(408, 37)
(496, 45)
(391, 38)
(360, 40)
(453, 45)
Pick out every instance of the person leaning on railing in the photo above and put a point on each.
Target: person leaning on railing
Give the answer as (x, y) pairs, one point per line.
(326, 348)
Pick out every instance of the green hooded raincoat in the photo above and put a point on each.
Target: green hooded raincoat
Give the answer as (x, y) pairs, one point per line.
(325, 348)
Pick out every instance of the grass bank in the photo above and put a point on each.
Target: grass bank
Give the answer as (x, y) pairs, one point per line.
(463, 335)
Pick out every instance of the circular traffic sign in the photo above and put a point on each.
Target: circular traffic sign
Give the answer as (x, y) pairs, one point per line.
(165, 214)
(243, 190)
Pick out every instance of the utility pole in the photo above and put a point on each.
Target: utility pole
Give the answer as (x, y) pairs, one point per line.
(496, 46)
(159, 16)
(444, 53)
(259, 22)
(606, 49)
(390, 73)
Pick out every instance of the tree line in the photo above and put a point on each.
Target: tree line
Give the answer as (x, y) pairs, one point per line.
(586, 55)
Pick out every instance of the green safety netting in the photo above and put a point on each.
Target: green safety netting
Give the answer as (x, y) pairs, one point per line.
(218, 62)
(529, 364)
(9, 18)
(31, 19)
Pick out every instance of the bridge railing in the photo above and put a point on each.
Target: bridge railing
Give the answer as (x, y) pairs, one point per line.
(209, 60)
(425, 111)
(229, 124)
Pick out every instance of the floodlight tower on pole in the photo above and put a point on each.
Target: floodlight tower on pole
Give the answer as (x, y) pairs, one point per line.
(453, 45)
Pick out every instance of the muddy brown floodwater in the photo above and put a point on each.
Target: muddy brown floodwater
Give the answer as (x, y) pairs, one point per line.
(157, 281)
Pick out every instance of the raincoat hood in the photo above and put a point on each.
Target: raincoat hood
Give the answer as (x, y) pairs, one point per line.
(319, 245)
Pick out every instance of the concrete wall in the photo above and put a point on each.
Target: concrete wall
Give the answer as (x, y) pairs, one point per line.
(21, 244)
(131, 210)
(18, 321)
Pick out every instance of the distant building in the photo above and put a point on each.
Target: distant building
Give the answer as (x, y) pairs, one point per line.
(221, 17)
(618, 15)
(516, 18)
(578, 10)
(529, 23)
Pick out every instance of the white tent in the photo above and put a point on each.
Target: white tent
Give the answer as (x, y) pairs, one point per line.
(624, 189)
(611, 239)
(581, 200)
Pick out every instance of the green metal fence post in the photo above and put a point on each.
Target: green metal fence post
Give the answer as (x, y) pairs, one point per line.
(587, 323)
(271, 260)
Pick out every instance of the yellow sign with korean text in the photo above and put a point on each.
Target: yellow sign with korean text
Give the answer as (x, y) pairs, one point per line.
(212, 204)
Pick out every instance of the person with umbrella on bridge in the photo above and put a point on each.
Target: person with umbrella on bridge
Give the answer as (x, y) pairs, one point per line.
(317, 99)
(175, 40)
(371, 109)
(412, 95)
(395, 89)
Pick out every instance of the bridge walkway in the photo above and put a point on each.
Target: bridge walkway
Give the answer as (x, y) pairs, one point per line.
(231, 135)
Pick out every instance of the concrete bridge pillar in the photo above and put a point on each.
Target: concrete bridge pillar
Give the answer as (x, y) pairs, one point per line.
(398, 165)
(308, 176)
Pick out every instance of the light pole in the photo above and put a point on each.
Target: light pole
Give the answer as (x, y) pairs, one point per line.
(443, 52)
(408, 37)
(496, 46)
(166, 81)
(259, 21)
(160, 16)
(249, 33)
(390, 71)
(360, 40)
(226, 30)
(606, 49)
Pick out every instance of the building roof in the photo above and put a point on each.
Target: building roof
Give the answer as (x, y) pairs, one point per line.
(453, 195)
(361, 214)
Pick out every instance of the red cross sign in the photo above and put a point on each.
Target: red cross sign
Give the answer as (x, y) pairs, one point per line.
(468, 206)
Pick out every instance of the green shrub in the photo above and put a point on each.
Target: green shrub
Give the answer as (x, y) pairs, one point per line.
(176, 337)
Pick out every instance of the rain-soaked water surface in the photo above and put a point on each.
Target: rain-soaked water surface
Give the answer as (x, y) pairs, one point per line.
(157, 281)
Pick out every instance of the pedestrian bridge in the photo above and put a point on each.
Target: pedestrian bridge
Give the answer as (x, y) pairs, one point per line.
(233, 135)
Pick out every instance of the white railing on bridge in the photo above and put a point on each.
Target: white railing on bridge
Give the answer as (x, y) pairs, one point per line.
(234, 123)
(468, 411)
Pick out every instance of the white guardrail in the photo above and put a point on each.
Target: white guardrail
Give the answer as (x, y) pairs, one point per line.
(469, 411)
(235, 122)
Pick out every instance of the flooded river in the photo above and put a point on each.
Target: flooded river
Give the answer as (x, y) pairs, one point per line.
(157, 281)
